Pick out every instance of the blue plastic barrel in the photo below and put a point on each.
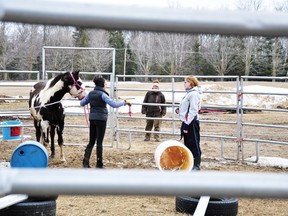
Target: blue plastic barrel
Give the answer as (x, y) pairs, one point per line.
(29, 154)
(11, 133)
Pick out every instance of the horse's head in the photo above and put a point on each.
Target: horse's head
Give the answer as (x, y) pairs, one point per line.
(74, 84)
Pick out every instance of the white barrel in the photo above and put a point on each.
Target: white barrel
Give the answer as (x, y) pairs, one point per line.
(173, 155)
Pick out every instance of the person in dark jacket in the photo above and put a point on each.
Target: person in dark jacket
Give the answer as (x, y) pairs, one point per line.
(154, 96)
(98, 98)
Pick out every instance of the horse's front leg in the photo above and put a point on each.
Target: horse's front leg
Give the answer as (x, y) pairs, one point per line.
(38, 130)
(52, 136)
(60, 129)
(45, 131)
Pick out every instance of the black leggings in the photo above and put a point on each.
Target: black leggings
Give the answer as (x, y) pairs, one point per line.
(97, 133)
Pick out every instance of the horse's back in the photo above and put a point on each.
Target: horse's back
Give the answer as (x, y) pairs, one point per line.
(38, 87)
(35, 90)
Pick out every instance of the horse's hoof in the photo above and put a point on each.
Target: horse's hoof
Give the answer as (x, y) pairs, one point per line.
(63, 160)
(52, 156)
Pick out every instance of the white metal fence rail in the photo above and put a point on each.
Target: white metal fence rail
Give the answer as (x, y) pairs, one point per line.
(119, 17)
(24, 72)
(242, 94)
(142, 182)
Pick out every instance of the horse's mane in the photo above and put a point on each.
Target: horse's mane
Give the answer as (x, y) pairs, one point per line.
(41, 85)
(56, 79)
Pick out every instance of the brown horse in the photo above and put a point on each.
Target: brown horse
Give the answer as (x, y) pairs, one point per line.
(46, 108)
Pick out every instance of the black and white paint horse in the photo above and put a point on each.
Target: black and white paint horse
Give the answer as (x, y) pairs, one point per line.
(46, 108)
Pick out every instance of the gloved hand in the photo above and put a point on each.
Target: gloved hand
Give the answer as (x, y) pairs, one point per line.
(128, 103)
(177, 110)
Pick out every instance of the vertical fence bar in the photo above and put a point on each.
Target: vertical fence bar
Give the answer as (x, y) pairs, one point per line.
(240, 120)
(43, 64)
(173, 104)
(239, 102)
(112, 87)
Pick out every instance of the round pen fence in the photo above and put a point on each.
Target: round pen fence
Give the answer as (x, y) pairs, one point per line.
(244, 126)
(237, 110)
(237, 135)
(20, 74)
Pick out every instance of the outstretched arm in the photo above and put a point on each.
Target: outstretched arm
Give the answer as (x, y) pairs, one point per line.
(112, 103)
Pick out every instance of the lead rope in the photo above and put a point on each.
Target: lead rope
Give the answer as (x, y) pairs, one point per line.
(45, 105)
(130, 111)
(86, 108)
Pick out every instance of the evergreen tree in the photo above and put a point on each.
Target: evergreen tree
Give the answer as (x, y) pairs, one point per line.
(199, 66)
(262, 59)
(278, 58)
(81, 39)
(238, 60)
(131, 67)
(117, 41)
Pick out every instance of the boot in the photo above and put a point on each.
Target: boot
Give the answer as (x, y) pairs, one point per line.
(87, 158)
(197, 162)
(157, 139)
(99, 163)
(147, 138)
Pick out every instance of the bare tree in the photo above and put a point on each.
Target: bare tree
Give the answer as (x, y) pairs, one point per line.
(142, 44)
(5, 48)
(277, 57)
(220, 52)
(249, 41)
(167, 52)
(250, 5)
(281, 6)
(59, 59)
(27, 41)
(58, 36)
(249, 46)
(283, 42)
(173, 3)
(172, 51)
(100, 59)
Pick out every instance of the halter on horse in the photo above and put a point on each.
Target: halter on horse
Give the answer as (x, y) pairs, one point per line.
(46, 108)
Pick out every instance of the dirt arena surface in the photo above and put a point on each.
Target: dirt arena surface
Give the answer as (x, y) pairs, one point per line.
(141, 156)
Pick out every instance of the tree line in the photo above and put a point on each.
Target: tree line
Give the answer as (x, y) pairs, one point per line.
(141, 53)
